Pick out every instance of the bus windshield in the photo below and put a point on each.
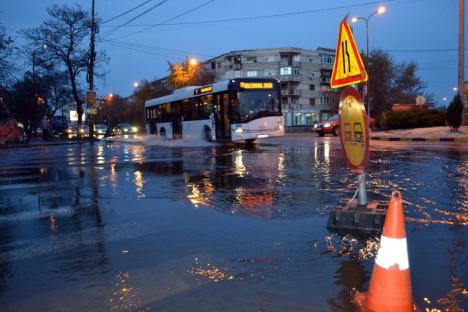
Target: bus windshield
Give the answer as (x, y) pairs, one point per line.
(257, 103)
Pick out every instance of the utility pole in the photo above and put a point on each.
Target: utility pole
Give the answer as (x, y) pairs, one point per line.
(91, 98)
(461, 56)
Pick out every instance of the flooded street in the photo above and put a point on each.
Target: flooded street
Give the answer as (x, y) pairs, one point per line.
(116, 226)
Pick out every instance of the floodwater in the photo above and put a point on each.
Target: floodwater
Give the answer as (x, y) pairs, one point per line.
(120, 226)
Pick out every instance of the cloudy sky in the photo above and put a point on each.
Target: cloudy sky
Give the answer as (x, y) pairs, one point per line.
(424, 31)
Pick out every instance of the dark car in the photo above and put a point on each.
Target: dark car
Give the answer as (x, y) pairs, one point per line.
(100, 130)
(59, 125)
(124, 128)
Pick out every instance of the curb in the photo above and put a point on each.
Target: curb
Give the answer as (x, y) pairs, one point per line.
(23, 145)
(420, 139)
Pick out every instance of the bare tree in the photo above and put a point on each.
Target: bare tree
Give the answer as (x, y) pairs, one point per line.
(6, 52)
(65, 34)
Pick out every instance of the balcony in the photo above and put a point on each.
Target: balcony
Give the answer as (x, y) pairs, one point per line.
(235, 66)
(291, 92)
(285, 63)
(290, 78)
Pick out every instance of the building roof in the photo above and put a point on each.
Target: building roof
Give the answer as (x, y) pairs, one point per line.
(284, 49)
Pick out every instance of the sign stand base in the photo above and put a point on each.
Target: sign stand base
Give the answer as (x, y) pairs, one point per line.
(351, 218)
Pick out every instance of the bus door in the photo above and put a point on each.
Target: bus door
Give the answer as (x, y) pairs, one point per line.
(176, 112)
(222, 121)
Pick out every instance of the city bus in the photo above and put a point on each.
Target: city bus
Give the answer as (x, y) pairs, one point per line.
(233, 110)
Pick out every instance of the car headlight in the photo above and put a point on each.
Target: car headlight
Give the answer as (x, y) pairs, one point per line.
(134, 129)
(239, 130)
(81, 130)
(315, 126)
(125, 130)
(326, 125)
(280, 127)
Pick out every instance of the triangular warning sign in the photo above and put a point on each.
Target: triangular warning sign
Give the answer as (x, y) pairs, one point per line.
(348, 68)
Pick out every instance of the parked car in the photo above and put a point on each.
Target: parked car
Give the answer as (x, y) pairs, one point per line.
(332, 126)
(100, 130)
(125, 128)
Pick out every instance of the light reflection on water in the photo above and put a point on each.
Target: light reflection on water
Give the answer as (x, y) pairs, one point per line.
(291, 185)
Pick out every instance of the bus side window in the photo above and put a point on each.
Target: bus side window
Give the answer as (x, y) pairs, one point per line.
(206, 106)
(186, 110)
(194, 107)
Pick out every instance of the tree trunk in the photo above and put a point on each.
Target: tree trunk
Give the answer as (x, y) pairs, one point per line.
(79, 104)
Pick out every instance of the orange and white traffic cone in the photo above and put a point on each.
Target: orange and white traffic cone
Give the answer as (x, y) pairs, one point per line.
(390, 283)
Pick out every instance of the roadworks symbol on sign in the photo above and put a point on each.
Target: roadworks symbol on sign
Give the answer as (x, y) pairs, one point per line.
(348, 68)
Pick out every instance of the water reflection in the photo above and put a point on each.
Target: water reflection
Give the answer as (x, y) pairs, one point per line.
(350, 276)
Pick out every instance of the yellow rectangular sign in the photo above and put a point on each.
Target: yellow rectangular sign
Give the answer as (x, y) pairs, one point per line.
(203, 90)
(256, 85)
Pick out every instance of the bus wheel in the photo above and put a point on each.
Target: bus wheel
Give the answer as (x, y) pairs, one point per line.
(207, 134)
(249, 141)
(162, 132)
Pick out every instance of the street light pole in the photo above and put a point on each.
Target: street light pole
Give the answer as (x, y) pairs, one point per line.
(34, 68)
(461, 56)
(379, 11)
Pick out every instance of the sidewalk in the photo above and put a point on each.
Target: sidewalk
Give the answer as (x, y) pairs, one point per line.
(442, 134)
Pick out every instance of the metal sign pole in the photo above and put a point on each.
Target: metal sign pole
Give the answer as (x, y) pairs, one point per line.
(362, 193)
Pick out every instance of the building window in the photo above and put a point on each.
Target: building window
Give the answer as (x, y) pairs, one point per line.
(312, 102)
(270, 72)
(213, 65)
(251, 59)
(252, 73)
(284, 71)
(296, 58)
(325, 99)
(237, 74)
(312, 87)
(269, 58)
(327, 59)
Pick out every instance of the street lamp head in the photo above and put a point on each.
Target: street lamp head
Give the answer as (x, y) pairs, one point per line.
(381, 10)
(455, 89)
(444, 99)
(111, 95)
(354, 19)
(136, 84)
(45, 46)
(193, 61)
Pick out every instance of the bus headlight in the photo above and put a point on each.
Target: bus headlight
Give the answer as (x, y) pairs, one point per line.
(239, 130)
(280, 127)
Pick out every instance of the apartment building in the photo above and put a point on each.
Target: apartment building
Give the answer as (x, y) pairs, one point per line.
(304, 75)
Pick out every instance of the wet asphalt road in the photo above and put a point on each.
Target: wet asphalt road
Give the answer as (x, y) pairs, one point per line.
(132, 227)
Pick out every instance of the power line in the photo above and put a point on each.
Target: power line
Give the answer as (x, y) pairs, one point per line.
(126, 12)
(239, 19)
(134, 18)
(168, 20)
(421, 50)
(154, 48)
(146, 51)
